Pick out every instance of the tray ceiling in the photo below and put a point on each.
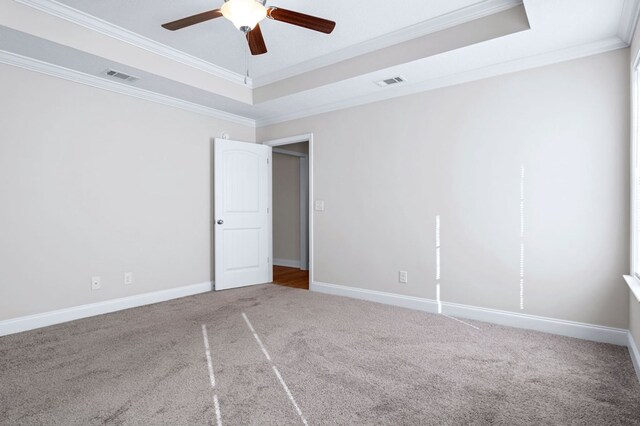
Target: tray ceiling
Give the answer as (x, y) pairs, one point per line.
(431, 43)
(220, 43)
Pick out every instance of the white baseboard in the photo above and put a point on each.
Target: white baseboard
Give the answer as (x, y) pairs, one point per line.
(634, 353)
(30, 322)
(410, 302)
(287, 262)
(597, 333)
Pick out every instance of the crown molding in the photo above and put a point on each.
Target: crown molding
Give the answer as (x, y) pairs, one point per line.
(448, 20)
(629, 20)
(76, 16)
(122, 88)
(381, 95)
(516, 65)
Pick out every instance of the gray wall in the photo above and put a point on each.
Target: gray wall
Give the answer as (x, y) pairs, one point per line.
(286, 203)
(109, 184)
(385, 171)
(97, 183)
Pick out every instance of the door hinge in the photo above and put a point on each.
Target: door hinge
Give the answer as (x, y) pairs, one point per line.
(267, 160)
(268, 259)
(267, 209)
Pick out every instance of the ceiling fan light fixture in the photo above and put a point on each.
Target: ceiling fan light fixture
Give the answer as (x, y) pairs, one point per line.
(244, 14)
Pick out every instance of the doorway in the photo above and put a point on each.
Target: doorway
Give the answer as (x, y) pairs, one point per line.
(291, 214)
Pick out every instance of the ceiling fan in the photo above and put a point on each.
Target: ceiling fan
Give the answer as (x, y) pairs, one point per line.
(246, 16)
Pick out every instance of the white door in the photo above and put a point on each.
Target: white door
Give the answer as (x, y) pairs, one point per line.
(242, 214)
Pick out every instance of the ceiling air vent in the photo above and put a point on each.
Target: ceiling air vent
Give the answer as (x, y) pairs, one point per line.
(390, 81)
(120, 76)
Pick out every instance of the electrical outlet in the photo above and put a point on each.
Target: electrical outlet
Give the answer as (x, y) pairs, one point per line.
(319, 205)
(128, 278)
(96, 283)
(403, 276)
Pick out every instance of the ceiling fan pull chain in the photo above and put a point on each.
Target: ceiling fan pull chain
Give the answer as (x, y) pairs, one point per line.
(246, 62)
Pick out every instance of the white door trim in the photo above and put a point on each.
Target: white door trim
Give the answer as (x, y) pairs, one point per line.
(308, 137)
(291, 153)
(304, 211)
(635, 127)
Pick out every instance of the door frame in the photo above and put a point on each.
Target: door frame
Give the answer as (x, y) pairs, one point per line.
(307, 137)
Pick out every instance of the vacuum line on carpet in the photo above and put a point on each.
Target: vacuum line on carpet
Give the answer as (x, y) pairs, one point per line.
(264, 350)
(465, 323)
(212, 378)
(286, 388)
(207, 352)
(217, 406)
(275, 370)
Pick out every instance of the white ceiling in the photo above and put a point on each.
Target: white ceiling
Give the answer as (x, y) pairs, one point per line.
(220, 43)
(560, 30)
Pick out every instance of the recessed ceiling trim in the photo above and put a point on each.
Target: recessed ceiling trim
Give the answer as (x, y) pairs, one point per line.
(508, 67)
(448, 20)
(629, 19)
(113, 86)
(96, 24)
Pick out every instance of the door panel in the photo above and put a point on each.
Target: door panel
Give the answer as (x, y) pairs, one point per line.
(242, 247)
(242, 232)
(242, 177)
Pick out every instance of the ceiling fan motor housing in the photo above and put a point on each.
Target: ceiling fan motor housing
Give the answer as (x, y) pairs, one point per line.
(244, 14)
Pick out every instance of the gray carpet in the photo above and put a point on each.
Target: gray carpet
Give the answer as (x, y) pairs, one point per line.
(344, 362)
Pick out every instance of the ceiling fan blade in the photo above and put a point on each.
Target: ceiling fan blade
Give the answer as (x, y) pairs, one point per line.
(256, 41)
(301, 20)
(192, 20)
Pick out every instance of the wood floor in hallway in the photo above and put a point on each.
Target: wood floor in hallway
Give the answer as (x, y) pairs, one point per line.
(291, 277)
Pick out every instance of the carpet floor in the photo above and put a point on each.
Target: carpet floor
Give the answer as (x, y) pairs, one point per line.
(310, 358)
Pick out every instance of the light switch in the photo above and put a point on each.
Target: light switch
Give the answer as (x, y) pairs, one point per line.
(319, 205)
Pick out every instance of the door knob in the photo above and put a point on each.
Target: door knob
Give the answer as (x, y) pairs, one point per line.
(220, 222)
